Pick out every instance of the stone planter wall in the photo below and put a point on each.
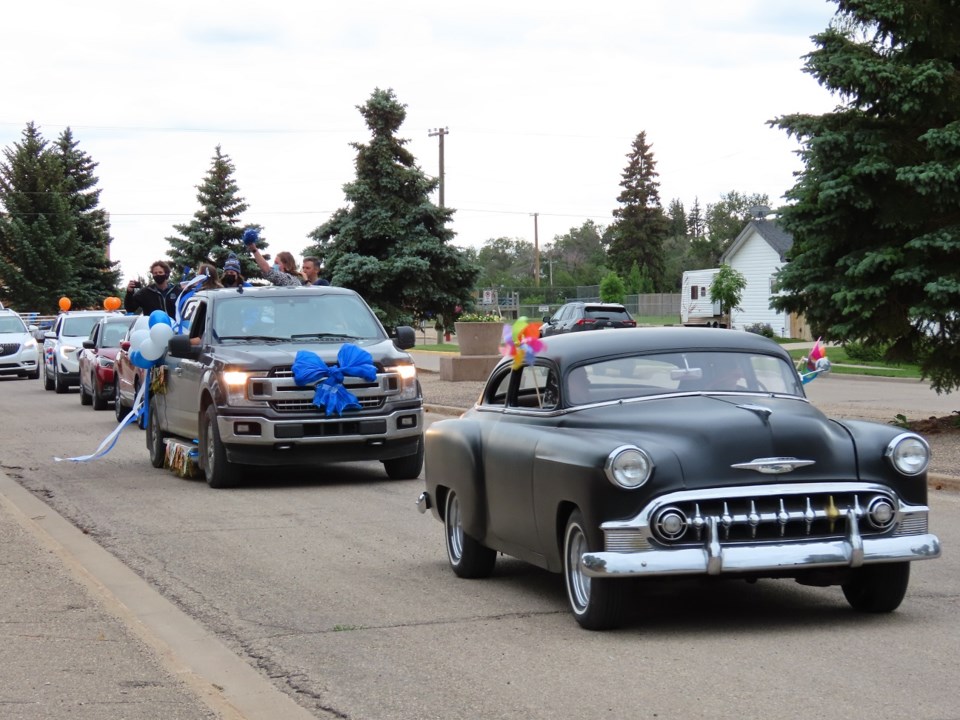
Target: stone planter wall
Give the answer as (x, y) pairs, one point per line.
(479, 338)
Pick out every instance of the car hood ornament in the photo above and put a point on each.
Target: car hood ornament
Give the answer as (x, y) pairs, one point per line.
(773, 465)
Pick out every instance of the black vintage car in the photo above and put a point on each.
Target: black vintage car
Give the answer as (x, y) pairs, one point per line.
(675, 452)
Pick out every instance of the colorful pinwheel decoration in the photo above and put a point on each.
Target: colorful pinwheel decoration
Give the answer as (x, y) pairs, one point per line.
(309, 369)
(522, 342)
(815, 364)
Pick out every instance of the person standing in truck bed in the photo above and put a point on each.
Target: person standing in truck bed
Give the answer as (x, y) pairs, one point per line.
(285, 272)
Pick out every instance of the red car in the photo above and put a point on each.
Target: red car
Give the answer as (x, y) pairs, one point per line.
(97, 357)
(129, 377)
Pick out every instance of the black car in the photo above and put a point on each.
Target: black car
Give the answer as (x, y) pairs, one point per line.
(579, 316)
(659, 452)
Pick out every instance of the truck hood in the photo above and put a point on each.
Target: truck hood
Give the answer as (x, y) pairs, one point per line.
(264, 356)
(706, 435)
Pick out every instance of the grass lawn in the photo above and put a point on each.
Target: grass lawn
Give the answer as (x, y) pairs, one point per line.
(841, 364)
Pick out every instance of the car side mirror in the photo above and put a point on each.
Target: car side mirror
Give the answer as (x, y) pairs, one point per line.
(546, 319)
(179, 346)
(406, 337)
(89, 344)
(49, 335)
(125, 345)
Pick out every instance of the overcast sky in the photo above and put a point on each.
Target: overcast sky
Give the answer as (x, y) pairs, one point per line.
(542, 101)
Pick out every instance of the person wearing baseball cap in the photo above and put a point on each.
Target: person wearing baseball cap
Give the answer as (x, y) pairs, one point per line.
(232, 270)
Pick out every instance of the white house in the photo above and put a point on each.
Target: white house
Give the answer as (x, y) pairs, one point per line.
(758, 252)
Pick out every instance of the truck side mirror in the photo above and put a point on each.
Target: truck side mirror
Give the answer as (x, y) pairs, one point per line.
(179, 346)
(406, 337)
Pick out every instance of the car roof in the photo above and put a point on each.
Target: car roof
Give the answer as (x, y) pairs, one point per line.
(275, 290)
(573, 348)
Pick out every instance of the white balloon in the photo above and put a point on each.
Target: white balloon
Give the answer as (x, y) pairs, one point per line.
(137, 337)
(161, 334)
(151, 350)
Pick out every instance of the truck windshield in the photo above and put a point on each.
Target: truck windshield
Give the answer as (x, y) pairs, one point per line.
(333, 317)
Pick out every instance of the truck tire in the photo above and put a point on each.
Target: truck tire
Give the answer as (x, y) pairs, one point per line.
(406, 468)
(220, 472)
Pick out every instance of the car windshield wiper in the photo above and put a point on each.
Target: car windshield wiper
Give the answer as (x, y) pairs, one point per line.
(257, 338)
(323, 336)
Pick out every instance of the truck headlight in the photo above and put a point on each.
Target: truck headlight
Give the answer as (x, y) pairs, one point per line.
(236, 385)
(908, 453)
(408, 381)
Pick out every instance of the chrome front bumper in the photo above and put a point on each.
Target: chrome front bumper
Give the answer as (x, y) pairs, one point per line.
(714, 558)
(632, 548)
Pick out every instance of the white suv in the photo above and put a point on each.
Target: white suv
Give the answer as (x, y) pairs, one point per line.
(61, 366)
(18, 348)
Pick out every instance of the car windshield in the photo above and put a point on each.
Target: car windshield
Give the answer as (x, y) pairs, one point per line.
(113, 333)
(11, 324)
(79, 326)
(288, 317)
(660, 373)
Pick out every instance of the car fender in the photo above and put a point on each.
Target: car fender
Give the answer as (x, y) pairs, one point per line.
(453, 462)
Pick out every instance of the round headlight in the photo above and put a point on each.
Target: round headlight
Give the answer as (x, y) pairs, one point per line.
(628, 467)
(909, 454)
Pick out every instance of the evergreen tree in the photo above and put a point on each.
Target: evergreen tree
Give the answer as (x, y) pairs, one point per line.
(96, 277)
(695, 224)
(640, 226)
(874, 214)
(392, 244)
(38, 233)
(215, 230)
(677, 218)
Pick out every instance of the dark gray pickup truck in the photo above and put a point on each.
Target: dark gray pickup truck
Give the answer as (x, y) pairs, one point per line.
(230, 387)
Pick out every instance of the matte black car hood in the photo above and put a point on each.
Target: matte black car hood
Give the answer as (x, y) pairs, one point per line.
(706, 435)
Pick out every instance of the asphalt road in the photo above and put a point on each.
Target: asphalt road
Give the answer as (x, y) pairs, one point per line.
(331, 585)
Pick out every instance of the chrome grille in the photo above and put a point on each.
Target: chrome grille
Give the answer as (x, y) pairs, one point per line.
(913, 524)
(284, 396)
(768, 517)
(625, 541)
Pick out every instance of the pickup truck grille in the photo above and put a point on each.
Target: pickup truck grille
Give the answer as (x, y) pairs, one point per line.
(284, 396)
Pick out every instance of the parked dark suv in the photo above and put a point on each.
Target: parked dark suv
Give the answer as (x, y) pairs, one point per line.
(577, 316)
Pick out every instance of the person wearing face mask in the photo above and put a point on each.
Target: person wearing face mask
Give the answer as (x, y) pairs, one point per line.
(231, 276)
(158, 295)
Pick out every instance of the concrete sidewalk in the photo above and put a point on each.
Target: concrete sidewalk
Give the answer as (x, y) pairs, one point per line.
(82, 636)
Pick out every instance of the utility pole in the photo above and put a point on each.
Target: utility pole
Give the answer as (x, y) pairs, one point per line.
(536, 252)
(440, 132)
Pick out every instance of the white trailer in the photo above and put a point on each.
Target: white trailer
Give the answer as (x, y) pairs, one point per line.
(696, 305)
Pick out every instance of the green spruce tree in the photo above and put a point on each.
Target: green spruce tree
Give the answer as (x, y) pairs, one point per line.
(392, 244)
(640, 225)
(215, 230)
(95, 277)
(874, 213)
(38, 233)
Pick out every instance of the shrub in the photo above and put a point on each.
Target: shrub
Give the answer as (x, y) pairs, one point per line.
(761, 329)
(857, 350)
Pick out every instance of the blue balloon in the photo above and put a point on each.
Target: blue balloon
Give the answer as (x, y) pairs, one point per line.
(140, 361)
(159, 316)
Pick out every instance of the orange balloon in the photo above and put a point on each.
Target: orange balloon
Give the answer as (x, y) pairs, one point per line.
(111, 303)
(64, 303)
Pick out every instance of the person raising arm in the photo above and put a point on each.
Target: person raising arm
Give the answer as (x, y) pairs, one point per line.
(285, 274)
